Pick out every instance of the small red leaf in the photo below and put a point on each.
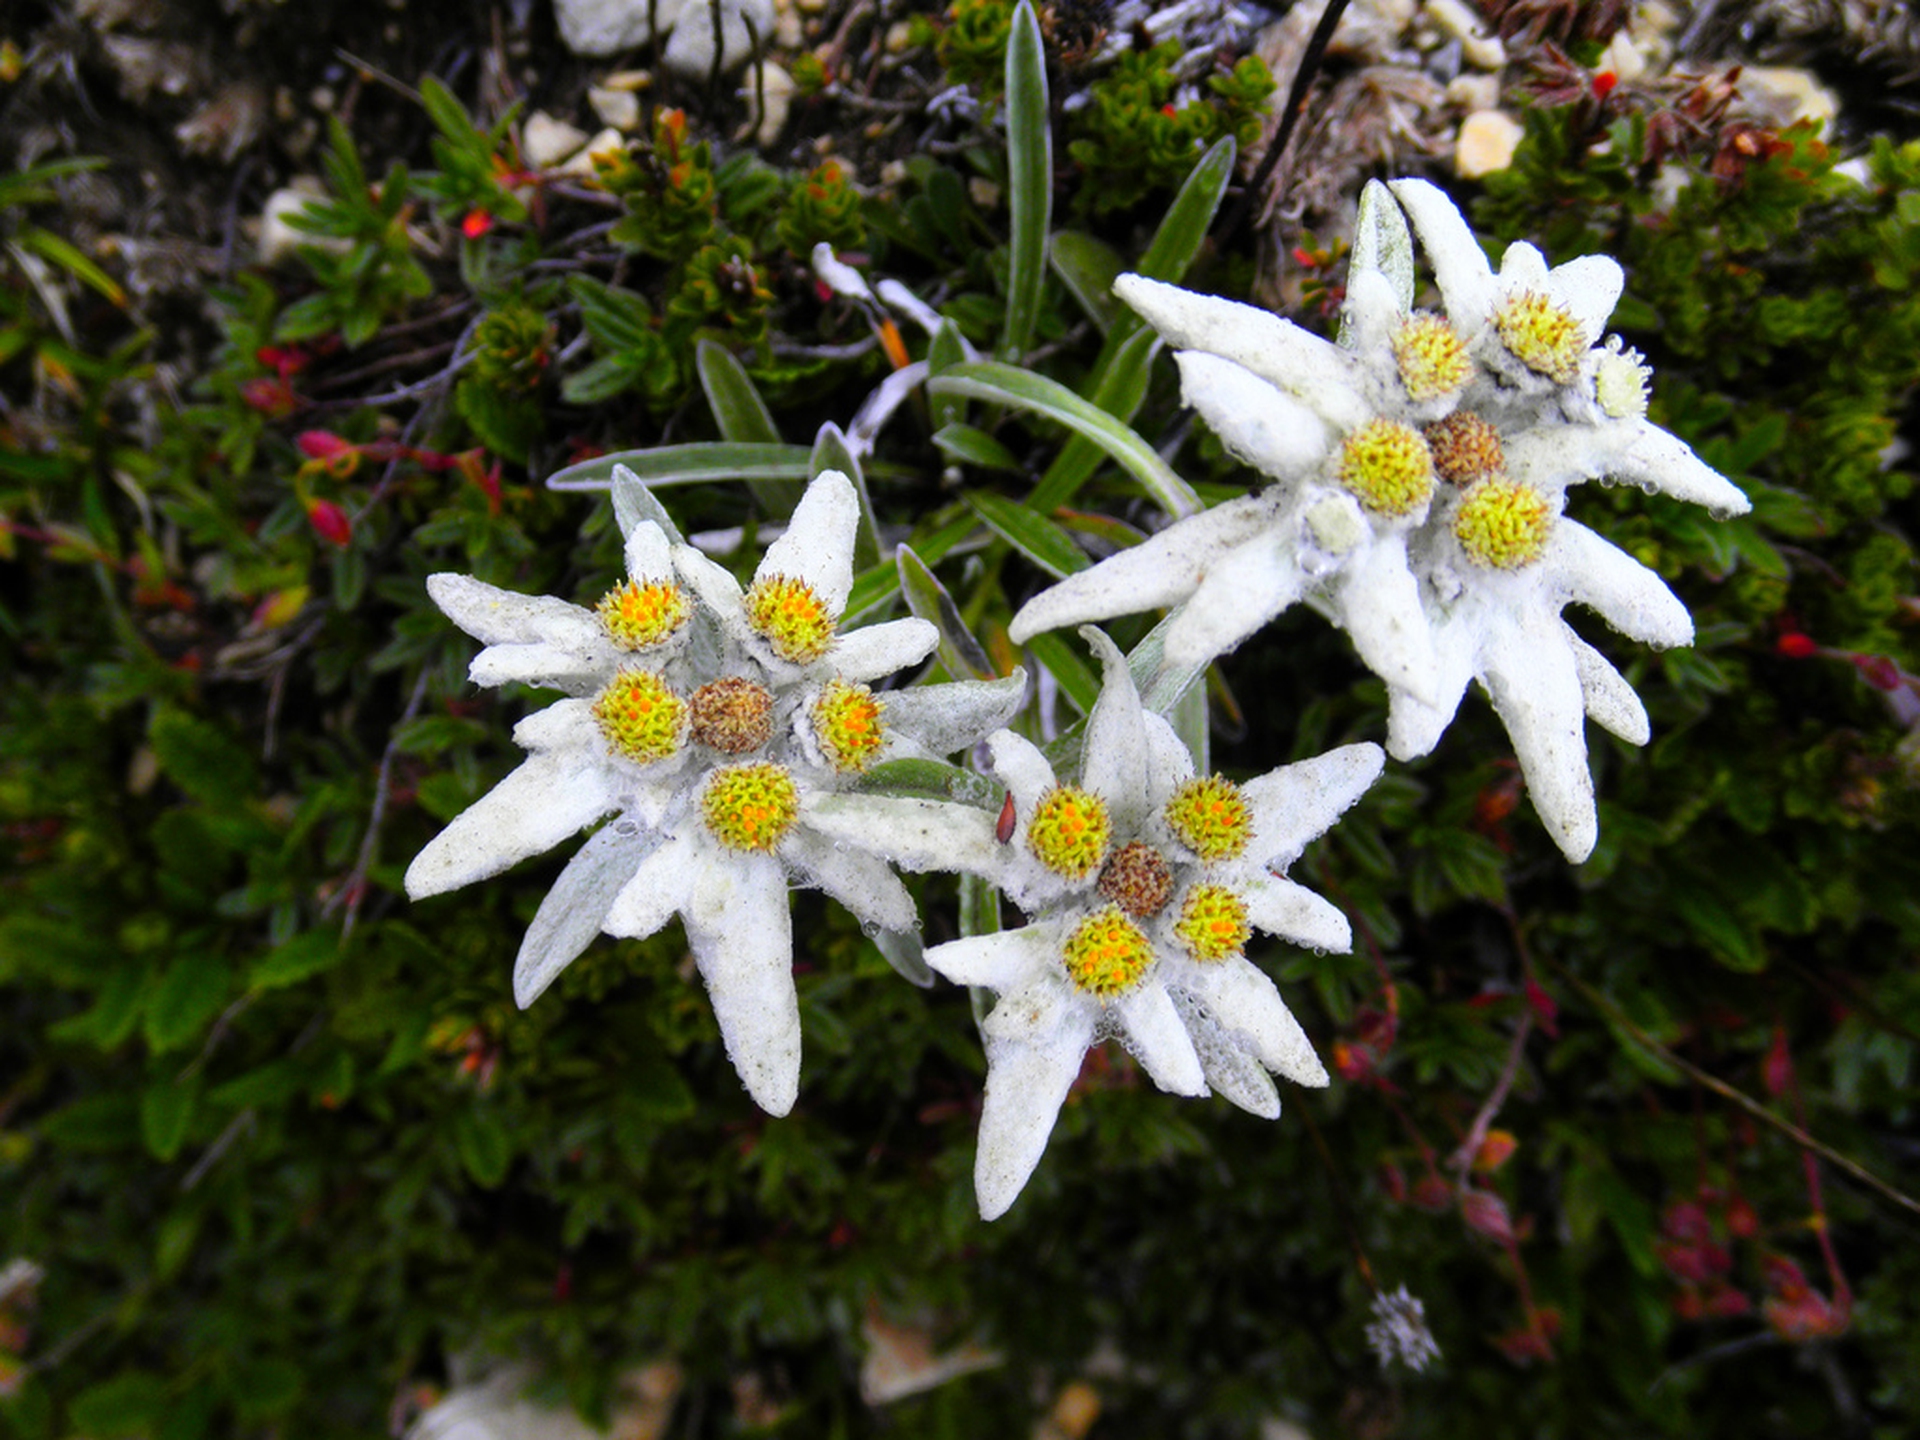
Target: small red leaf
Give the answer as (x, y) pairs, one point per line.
(1776, 1071)
(1486, 1213)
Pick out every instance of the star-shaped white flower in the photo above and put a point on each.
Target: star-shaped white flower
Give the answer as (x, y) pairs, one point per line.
(1553, 405)
(1142, 884)
(717, 718)
(1516, 395)
(1333, 426)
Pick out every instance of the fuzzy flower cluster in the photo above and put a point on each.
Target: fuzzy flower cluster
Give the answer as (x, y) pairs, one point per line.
(725, 731)
(1419, 470)
(709, 721)
(1142, 884)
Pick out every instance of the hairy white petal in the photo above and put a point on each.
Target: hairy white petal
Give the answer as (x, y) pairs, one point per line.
(1269, 430)
(575, 908)
(1245, 1001)
(500, 617)
(1292, 805)
(1602, 576)
(1459, 264)
(913, 834)
(1229, 1068)
(1152, 1030)
(1589, 286)
(1021, 767)
(1295, 914)
(1536, 692)
(658, 888)
(1312, 373)
(649, 555)
(941, 719)
(859, 881)
(1380, 610)
(817, 546)
(550, 798)
(1004, 960)
(1030, 1068)
(740, 928)
(1114, 755)
(1243, 591)
(1611, 703)
(578, 669)
(874, 652)
(1162, 571)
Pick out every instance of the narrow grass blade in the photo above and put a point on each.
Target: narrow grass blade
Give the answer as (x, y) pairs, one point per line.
(1029, 180)
(928, 598)
(1029, 532)
(701, 462)
(1009, 385)
(742, 417)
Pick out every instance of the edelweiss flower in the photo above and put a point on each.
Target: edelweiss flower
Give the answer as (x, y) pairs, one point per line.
(718, 717)
(1432, 527)
(1334, 427)
(1142, 884)
(1497, 561)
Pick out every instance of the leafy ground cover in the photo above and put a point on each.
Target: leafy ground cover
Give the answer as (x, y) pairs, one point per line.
(1637, 1133)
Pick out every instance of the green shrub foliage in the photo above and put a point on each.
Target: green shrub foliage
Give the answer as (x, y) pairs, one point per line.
(285, 1147)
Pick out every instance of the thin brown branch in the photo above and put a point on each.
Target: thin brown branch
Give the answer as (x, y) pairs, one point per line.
(1845, 1163)
(1463, 1157)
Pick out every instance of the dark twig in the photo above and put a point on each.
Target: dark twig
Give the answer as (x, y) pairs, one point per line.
(1737, 1097)
(355, 889)
(1303, 78)
(1463, 1158)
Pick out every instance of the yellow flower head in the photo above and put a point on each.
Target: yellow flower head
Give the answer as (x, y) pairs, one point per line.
(1106, 954)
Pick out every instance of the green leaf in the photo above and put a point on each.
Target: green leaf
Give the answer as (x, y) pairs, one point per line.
(1184, 230)
(306, 954)
(615, 319)
(907, 954)
(701, 462)
(1088, 266)
(873, 591)
(930, 780)
(928, 598)
(94, 1123)
(975, 447)
(266, 1387)
(1119, 387)
(635, 505)
(946, 348)
(189, 995)
(979, 911)
(1473, 865)
(485, 1149)
(166, 1109)
(738, 410)
(447, 113)
(1382, 243)
(1731, 942)
(1007, 385)
(742, 416)
(115, 1011)
(1031, 533)
(123, 1406)
(1077, 681)
(1029, 180)
(653, 1085)
(602, 380)
(198, 757)
(433, 734)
